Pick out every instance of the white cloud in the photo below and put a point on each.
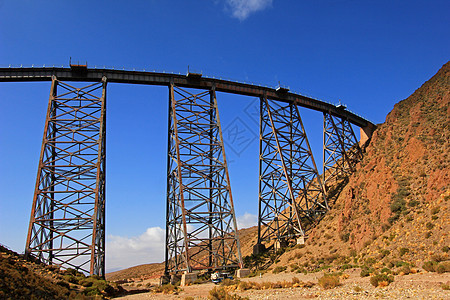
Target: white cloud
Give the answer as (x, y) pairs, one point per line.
(247, 220)
(241, 9)
(123, 252)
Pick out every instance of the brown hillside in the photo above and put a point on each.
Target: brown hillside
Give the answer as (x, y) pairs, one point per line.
(22, 278)
(247, 237)
(396, 205)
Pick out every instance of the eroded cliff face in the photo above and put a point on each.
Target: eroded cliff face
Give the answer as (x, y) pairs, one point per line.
(399, 197)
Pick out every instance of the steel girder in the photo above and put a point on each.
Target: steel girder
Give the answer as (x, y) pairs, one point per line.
(201, 229)
(164, 79)
(67, 224)
(291, 194)
(341, 150)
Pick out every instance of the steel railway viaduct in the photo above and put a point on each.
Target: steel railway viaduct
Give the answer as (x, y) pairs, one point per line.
(67, 223)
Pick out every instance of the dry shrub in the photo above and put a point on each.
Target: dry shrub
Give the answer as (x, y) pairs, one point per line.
(381, 280)
(357, 288)
(244, 285)
(265, 285)
(443, 267)
(279, 269)
(329, 281)
(405, 270)
(228, 282)
(434, 266)
(222, 294)
(295, 280)
(277, 285)
(167, 289)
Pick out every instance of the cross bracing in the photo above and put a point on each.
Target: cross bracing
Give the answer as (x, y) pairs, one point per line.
(291, 193)
(67, 220)
(201, 224)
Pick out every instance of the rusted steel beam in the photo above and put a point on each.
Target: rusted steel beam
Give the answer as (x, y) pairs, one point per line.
(164, 79)
(201, 229)
(341, 150)
(68, 213)
(291, 194)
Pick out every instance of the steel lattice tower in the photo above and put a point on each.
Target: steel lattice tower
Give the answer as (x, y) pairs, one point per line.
(291, 194)
(201, 230)
(67, 224)
(341, 150)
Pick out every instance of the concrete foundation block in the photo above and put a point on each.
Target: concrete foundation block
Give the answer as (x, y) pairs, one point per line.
(241, 273)
(175, 278)
(280, 244)
(164, 279)
(301, 240)
(259, 248)
(187, 278)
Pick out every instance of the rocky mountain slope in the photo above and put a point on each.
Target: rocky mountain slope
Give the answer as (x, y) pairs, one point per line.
(396, 205)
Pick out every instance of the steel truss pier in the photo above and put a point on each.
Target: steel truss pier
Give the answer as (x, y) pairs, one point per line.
(291, 194)
(201, 230)
(67, 224)
(341, 150)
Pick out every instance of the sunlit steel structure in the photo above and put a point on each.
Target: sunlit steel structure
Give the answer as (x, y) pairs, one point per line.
(291, 194)
(67, 224)
(341, 150)
(201, 230)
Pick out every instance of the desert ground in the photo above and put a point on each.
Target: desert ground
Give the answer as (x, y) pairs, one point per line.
(423, 285)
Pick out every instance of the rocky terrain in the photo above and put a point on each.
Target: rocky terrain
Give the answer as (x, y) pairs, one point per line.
(396, 205)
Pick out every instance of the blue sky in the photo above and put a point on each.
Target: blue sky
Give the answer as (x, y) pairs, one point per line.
(368, 54)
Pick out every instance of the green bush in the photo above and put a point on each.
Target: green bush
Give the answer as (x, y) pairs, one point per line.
(413, 203)
(403, 251)
(279, 269)
(345, 237)
(384, 252)
(366, 271)
(398, 205)
(71, 279)
(86, 283)
(92, 291)
(430, 266)
(381, 280)
(443, 267)
(63, 284)
(370, 261)
(405, 269)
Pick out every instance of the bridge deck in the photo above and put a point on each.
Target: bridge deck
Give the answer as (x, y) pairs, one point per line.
(164, 79)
